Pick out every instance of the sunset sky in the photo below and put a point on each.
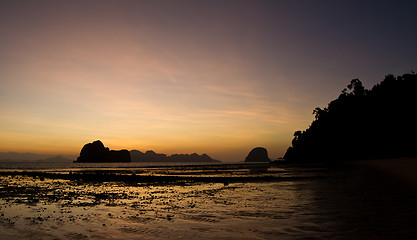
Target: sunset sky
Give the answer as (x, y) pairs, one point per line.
(215, 77)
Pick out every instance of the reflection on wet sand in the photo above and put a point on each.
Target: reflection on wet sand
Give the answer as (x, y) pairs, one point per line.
(365, 203)
(292, 203)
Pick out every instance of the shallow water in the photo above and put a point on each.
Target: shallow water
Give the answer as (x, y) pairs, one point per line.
(33, 165)
(343, 202)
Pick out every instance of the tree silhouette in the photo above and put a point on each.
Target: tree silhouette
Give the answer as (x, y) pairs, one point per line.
(356, 86)
(362, 124)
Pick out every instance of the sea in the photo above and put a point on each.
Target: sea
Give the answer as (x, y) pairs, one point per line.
(206, 201)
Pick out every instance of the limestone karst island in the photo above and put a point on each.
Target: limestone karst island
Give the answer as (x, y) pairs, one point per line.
(96, 152)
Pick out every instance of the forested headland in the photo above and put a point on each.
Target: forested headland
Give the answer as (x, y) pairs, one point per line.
(362, 124)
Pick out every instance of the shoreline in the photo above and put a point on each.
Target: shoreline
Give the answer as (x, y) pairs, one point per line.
(353, 200)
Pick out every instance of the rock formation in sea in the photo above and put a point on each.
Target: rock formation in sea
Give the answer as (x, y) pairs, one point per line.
(258, 154)
(151, 156)
(96, 152)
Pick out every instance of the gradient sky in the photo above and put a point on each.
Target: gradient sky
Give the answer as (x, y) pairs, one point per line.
(215, 77)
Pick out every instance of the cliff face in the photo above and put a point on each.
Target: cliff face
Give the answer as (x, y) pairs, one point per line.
(96, 152)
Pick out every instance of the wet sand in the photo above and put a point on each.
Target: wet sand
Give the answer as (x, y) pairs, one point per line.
(354, 201)
(403, 168)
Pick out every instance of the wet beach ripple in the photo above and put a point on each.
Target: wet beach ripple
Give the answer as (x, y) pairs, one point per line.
(285, 202)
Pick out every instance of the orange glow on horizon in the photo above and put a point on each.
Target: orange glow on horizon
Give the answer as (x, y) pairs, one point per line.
(198, 77)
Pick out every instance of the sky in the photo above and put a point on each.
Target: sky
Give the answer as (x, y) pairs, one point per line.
(214, 77)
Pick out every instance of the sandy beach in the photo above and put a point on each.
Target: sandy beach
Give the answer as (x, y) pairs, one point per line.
(359, 200)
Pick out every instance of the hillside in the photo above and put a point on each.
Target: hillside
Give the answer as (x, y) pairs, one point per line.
(362, 124)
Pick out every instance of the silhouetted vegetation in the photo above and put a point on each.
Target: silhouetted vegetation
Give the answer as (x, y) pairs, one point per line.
(362, 124)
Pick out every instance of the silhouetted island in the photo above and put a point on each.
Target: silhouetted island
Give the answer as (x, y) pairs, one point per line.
(258, 154)
(96, 152)
(362, 124)
(151, 156)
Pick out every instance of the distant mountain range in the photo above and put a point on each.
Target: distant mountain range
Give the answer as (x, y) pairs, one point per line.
(34, 157)
(135, 156)
(97, 152)
(151, 156)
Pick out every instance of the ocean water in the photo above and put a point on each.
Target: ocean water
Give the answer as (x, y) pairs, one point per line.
(296, 202)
